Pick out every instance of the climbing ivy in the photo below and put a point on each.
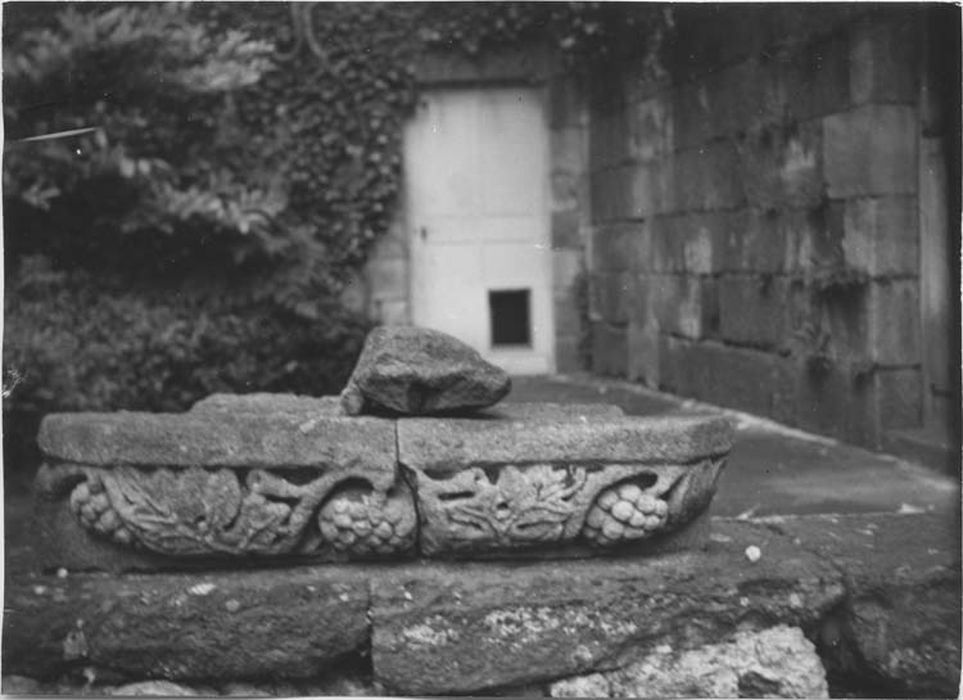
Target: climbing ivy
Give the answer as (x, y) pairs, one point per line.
(260, 138)
(344, 84)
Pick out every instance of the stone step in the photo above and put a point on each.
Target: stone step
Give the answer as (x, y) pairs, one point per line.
(868, 597)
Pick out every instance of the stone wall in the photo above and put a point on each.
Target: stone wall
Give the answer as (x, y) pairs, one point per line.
(571, 216)
(755, 217)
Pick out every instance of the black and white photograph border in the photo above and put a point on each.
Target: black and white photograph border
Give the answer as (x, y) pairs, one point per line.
(542, 349)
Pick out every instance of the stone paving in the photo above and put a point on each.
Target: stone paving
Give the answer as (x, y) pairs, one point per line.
(774, 469)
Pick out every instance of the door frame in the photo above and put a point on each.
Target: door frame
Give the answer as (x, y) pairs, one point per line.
(506, 355)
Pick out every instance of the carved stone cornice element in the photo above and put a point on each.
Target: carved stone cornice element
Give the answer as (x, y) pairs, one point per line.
(200, 512)
(272, 476)
(512, 485)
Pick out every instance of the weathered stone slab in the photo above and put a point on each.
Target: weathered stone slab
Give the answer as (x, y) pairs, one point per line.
(501, 486)
(532, 411)
(902, 619)
(285, 623)
(777, 662)
(214, 439)
(448, 446)
(268, 475)
(262, 403)
(416, 371)
(467, 627)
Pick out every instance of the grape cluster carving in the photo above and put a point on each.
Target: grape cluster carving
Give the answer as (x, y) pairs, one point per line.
(624, 513)
(91, 504)
(364, 522)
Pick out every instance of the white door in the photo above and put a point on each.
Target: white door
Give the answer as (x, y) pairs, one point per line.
(476, 164)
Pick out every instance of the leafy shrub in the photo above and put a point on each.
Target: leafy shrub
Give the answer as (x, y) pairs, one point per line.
(74, 343)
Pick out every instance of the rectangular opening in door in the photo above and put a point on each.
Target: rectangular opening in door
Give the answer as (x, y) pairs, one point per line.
(510, 314)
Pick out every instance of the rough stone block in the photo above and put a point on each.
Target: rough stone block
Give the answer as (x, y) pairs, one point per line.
(694, 112)
(643, 348)
(882, 235)
(760, 241)
(222, 625)
(780, 165)
(870, 151)
(643, 306)
(609, 349)
(884, 60)
(754, 310)
(608, 140)
(613, 246)
(902, 620)
(816, 80)
(650, 187)
(611, 194)
(612, 295)
(749, 380)
(709, 308)
(665, 251)
(844, 315)
(774, 662)
(681, 305)
(651, 128)
(831, 401)
(408, 370)
(738, 94)
(900, 393)
(894, 322)
(702, 178)
(764, 90)
(694, 243)
(441, 632)
(699, 246)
